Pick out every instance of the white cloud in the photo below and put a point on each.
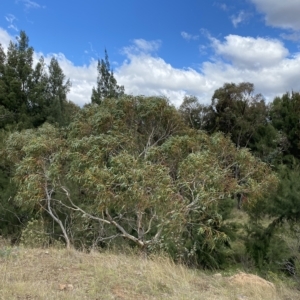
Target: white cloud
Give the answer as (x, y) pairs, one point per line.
(188, 36)
(237, 19)
(264, 62)
(148, 75)
(249, 52)
(272, 81)
(283, 14)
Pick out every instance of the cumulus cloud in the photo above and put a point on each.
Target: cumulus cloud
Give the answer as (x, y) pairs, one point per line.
(283, 14)
(272, 81)
(264, 62)
(249, 52)
(188, 36)
(148, 75)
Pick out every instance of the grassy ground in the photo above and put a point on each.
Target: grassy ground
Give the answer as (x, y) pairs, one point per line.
(61, 274)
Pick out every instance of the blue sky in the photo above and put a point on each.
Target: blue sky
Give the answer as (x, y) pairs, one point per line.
(171, 48)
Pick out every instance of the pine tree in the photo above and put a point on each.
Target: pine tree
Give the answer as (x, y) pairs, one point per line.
(284, 115)
(107, 86)
(56, 94)
(17, 79)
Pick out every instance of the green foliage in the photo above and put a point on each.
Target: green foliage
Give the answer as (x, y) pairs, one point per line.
(48, 94)
(235, 110)
(284, 114)
(203, 169)
(271, 250)
(267, 143)
(15, 79)
(11, 217)
(195, 114)
(285, 204)
(268, 245)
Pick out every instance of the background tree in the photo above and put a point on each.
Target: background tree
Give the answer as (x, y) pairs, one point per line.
(273, 231)
(107, 86)
(31, 95)
(235, 110)
(194, 113)
(56, 93)
(17, 79)
(11, 218)
(5, 114)
(284, 115)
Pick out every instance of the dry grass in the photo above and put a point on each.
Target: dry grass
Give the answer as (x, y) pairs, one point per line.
(60, 274)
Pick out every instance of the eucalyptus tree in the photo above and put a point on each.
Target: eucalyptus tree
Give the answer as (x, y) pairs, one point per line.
(195, 114)
(133, 167)
(237, 111)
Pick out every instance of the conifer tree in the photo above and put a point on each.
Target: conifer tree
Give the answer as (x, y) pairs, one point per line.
(284, 115)
(56, 94)
(107, 86)
(17, 78)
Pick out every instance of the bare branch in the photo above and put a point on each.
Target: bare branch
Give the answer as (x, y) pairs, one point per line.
(77, 208)
(124, 233)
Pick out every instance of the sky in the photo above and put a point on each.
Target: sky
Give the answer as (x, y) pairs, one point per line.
(167, 48)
